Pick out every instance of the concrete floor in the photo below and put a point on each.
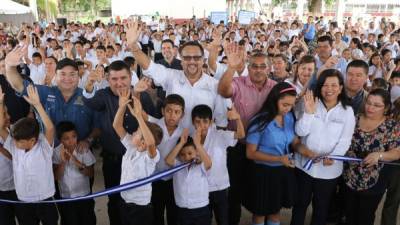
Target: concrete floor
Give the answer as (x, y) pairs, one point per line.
(101, 203)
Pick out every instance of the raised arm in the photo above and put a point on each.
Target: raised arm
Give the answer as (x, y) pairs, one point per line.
(12, 60)
(171, 157)
(204, 157)
(235, 57)
(234, 115)
(119, 116)
(213, 49)
(34, 100)
(132, 33)
(147, 135)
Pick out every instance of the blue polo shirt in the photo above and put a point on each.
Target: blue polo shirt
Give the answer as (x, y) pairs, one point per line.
(311, 33)
(58, 109)
(273, 140)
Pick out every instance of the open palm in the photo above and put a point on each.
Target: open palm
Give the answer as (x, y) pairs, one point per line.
(133, 32)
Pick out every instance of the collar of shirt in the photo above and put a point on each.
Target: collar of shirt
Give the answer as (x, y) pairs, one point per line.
(203, 82)
(268, 83)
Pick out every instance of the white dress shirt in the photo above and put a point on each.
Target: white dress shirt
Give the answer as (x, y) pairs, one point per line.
(204, 91)
(136, 165)
(325, 133)
(215, 144)
(33, 170)
(191, 187)
(168, 143)
(73, 183)
(37, 73)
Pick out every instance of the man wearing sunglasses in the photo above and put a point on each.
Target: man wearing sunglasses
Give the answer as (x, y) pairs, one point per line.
(194, 86)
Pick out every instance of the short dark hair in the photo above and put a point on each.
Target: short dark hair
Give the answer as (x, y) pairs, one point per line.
(78, 43)
(202, 112)
(168, 41)
(358, 63)
(189, 142)
(385, 95)
(110, 47)
(129, 60)
(325, 38)
(63, 127)
(395, 74)
(53, 58)
(176, 100)
(156, 131)
(191, 43)
(36, 55)
(119, 65)
(385, 51)
(25, 129)
(101, 47)
(380, 83)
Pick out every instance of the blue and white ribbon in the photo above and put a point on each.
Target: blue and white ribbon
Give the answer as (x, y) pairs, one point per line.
(309, 163)
(114, 190)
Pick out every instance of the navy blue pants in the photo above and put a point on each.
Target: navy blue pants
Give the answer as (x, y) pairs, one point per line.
(219, 205)
(198, 216)
(7, 211)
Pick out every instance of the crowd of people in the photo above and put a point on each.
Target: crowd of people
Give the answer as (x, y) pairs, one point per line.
(248, 106)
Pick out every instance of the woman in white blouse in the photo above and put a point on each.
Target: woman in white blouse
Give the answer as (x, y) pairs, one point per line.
(326, 127)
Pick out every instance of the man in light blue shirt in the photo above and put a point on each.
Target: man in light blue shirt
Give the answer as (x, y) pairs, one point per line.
(309, 30)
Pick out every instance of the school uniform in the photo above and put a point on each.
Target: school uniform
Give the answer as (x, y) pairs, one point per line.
(163, 193)
(271, 185)
(7, 190)
(191, 195)
(136, 207)
(215, 144)
(75, 184)
(37, 73)
(34, 181)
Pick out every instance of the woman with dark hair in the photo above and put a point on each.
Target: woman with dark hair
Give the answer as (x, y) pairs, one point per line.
(376, 138)
(325, 127)
(305, 69)
(270, 135)
(356, 49)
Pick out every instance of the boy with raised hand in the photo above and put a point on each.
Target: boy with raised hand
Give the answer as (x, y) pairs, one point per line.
(32, 152)
(139, 161)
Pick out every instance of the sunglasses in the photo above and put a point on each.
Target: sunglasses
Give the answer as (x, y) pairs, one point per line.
(190, 58)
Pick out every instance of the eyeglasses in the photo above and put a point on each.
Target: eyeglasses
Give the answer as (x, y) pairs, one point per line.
(374, 105)
(192, 57)
(258, 66)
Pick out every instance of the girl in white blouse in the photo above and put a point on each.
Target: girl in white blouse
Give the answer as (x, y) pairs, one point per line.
(326, 127)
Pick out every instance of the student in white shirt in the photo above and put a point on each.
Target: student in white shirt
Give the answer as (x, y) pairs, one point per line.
(215, 143)
(163, 194)
(138, 162)
(190, 184)
(7, 189)
(37, 68)
(326, 128)
(32, 153)
(72, 170)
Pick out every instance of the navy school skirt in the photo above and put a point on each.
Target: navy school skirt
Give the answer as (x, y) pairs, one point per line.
(269, 189)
